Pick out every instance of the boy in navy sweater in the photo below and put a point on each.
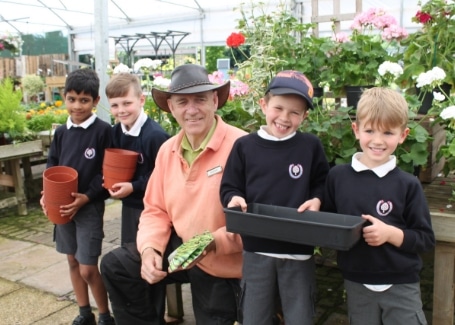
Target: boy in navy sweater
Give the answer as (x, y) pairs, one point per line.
(134, 131)
(80, 144)
(381, 272)
(278, 165)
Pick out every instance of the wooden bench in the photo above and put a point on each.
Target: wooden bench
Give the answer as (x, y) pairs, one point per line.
(12, 156)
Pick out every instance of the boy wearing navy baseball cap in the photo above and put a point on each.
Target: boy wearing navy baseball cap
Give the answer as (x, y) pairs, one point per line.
(278, 165)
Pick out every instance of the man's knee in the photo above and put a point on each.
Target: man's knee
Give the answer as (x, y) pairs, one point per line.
(107, 261)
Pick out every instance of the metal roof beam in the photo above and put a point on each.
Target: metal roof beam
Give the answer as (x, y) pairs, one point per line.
(58, 16)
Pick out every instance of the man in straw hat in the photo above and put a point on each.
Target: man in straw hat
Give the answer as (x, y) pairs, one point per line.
(181, 201)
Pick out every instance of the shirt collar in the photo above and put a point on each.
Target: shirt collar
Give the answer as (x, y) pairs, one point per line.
(189, 153)
(136, 128)
(84, 125)
(262, 132)
(380, 171)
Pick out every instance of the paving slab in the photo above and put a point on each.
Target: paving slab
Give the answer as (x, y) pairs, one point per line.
(7, 287)
(27, 305)
(54, 279)
(9, 247)
(28, 261)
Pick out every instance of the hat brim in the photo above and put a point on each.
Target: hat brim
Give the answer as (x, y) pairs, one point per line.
(287, 91)
(161, 96)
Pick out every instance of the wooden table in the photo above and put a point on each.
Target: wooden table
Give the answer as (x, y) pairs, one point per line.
(11, 157)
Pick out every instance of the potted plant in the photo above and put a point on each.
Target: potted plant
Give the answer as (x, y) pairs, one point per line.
(431, 46)
(355, 58)
(272, 42)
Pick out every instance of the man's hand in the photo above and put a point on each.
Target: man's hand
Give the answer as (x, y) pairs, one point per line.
(152, 266)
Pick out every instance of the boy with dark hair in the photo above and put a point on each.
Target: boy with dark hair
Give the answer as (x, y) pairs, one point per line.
(136, 132)
(80, 144)
(281, 166)
(381, 271)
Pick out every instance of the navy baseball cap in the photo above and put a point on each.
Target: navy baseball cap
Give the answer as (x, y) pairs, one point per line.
(292, 82)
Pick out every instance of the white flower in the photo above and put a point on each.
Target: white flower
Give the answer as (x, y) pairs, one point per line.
(390, 67)
(438, 96)
(161, 83)
(147, 64)
(121, 68)
(448, 113)
(431, 78)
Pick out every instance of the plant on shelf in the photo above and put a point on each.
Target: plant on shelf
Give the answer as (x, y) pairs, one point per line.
(32, 86)
(355, 58)
(433, 45)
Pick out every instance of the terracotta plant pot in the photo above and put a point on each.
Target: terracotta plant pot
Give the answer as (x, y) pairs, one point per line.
(119, 165)
(58, 184)
(120, 158)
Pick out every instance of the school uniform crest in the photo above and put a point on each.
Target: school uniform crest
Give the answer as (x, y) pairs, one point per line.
(383, 208)
(295, 170)
(89, 153)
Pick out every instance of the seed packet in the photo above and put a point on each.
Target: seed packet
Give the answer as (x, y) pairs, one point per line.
(190, 252)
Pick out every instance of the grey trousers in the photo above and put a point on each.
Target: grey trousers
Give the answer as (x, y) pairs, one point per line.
(400, 304)
(264, 278)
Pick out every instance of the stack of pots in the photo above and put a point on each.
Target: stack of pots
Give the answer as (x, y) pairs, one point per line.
(119, 165)
(58, 184)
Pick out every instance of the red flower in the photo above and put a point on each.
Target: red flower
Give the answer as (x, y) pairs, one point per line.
(235, 40)
(423, 17)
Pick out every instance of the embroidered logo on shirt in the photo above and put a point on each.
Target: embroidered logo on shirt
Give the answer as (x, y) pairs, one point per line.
(89, 153)
(383, 208)
(295, 171)
(214, 170)
(140, 159)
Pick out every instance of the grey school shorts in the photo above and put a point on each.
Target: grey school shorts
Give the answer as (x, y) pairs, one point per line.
(83, 236)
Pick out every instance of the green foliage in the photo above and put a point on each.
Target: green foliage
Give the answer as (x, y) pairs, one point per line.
(273, 46)
(234, 113)
(43, 122)
(354, 63)
(12, 118)
(414, 151)
(166, 120)
(433, 45)
(212, 54)
(333, 128)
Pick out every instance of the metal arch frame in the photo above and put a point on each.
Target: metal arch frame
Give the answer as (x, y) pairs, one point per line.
(154, 38)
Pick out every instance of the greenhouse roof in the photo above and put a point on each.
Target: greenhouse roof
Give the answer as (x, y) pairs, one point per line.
(40, 16)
